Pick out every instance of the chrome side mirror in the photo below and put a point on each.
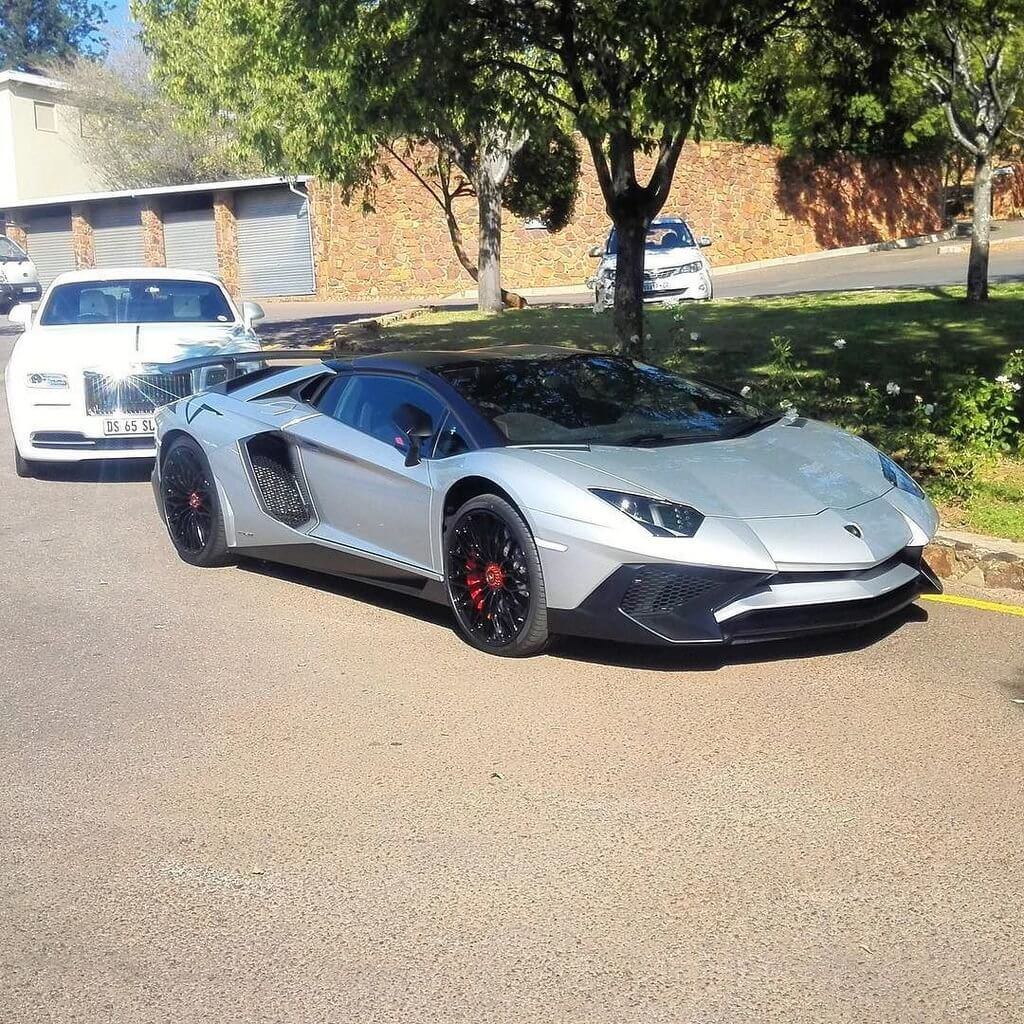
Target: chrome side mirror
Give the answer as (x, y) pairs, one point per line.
(252, 312)
(596, 252)
(704, 241)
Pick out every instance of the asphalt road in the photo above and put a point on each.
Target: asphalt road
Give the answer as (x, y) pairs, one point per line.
(250, 795)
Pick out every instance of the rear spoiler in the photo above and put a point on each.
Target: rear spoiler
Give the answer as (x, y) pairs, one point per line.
(231, 360)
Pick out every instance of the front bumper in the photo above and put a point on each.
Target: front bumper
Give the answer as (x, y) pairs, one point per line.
(670, 604)
(22, 291)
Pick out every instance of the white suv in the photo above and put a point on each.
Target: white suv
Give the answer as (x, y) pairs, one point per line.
(675, 268)
(90, 369)
(19, 281)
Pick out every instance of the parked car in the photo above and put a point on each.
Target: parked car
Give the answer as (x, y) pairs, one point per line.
(19, 281)
(675, 269)
(81, 382)
(540, 491)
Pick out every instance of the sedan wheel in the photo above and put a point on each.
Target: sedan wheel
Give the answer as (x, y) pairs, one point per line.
(191, 508)
(495, 581)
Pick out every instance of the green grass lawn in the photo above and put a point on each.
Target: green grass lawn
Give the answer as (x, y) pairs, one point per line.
(915, 338)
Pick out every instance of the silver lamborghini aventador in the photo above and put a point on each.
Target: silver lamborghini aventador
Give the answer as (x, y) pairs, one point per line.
(542, 491)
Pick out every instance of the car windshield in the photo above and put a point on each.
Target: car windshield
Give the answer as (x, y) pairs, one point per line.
(599, 399)
(139, 301)
(9, 251)
(664, 234)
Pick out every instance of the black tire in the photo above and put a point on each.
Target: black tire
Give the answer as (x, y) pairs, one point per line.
(494, 579)
(191, 508)
(25, 468)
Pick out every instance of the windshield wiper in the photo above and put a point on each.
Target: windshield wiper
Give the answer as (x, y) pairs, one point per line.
(753, 425)
(654, 439)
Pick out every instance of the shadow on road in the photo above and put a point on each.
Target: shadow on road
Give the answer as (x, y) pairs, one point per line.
(665, 659)
(101, 471)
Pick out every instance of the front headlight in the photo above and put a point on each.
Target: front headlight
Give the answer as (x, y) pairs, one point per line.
(686, 268)
(662, 518)
(47, 380)
(899, 477)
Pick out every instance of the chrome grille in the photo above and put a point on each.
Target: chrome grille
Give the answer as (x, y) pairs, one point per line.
(136, 393)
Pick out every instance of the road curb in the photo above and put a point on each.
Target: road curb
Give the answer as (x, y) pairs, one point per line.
(977, 560)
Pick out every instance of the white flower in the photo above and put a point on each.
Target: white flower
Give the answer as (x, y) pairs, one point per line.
(892, 388)
(1002, 379)
(1015, 386)
(647, 337)
(867, 385)
(634, 339)
(918, 399)
(694, 336)
(839, 343)
(929, 409)
(745, 390)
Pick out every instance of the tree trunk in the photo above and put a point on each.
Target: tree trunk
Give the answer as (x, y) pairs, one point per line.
(488, 197)
(631, 234)
(977, 266)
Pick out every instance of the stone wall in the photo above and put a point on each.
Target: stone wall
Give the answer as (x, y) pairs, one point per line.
(153, 234)
(753, 201)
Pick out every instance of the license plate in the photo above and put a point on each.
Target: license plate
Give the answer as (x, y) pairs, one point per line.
(29, 290)
(648, 286)
(130, 426)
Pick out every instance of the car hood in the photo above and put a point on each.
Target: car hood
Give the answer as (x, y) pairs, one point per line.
(797, 468)
(105, 346)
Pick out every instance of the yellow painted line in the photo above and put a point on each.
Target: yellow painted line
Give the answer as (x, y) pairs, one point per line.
(973, 602)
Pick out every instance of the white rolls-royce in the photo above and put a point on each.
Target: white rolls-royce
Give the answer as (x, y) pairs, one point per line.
(86, 375)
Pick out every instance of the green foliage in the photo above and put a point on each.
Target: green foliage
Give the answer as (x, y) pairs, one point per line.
(38, 31)
(544, 181)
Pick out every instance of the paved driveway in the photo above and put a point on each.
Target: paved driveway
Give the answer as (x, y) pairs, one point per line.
(258, 795)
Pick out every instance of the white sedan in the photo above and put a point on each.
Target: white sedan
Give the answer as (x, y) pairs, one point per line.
(86, 375)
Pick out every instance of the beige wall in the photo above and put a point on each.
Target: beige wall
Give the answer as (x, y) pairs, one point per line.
(35, 164)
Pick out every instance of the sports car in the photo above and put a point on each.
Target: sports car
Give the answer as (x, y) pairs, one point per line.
(540, 491)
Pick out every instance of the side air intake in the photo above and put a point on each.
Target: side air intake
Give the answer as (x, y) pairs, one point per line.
(279, 485)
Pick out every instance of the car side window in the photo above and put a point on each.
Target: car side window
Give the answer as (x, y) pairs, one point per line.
(329, 398)
(450, 440)
(369, 401)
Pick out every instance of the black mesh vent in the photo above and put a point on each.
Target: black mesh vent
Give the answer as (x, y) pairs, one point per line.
(663, 590)
(282, 492)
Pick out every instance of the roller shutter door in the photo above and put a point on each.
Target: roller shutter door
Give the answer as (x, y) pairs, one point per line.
(117, 234)
(49, 245)
(274, 253)
(190, 240)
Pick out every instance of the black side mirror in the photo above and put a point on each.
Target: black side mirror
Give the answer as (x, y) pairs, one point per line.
(415, 426)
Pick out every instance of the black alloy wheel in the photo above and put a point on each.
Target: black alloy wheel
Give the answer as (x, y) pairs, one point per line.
(495, 580)
(191, 509)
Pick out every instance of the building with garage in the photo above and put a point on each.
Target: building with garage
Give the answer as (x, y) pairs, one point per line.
(255, 233)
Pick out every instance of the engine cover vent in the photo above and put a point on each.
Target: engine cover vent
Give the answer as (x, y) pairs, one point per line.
(281, 489)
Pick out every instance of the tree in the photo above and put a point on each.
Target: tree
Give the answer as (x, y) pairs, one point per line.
(971, 55)
(37, 31)
(329, 88)
(132, 132)
(633, 76)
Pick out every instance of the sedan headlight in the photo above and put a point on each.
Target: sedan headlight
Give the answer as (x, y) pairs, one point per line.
(662, 518)
(899, 477)
(686, 268)
(47, 380)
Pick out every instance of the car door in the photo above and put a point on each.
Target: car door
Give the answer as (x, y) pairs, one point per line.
(366, 497)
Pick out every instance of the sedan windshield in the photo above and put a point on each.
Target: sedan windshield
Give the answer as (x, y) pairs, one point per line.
(662, 235)
(136, 302)
(597, 399)
(9, 251)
